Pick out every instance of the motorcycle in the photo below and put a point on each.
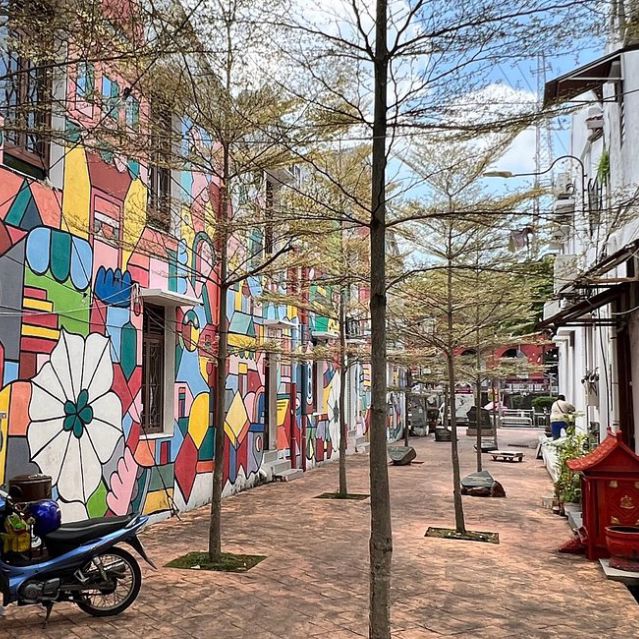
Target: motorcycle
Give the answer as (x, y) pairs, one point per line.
(43, 561)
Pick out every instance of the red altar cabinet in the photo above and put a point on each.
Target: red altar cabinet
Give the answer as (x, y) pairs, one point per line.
(609, 492)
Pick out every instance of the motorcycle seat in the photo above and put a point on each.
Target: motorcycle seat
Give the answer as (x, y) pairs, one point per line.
(83, 531)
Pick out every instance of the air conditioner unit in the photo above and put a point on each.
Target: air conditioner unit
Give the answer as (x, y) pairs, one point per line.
(563, 187)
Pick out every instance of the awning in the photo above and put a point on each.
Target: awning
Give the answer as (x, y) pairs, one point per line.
(589, 77)
(578, 313)
(162, 297)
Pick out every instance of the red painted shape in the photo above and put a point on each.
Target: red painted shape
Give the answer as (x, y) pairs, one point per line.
(16, 234)
(28, 363)
(164, 452)
(48, 202)
(610, 491)
(107, 178)
(5, 239)
(35, 293)
(10, 184)
(242, 454)
(35, 345)
(34, 318)
(97, 319)
(204, 467)
(126, 391)
(185, 466)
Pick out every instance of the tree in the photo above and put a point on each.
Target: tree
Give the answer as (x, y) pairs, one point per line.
(468, 286)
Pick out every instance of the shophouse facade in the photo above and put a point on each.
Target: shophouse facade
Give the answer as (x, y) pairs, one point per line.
(109, 309)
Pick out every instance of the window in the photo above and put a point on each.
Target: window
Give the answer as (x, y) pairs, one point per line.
(268, 228)
(85, 81)
(153, 332)
(24, 91)
(159, 205)
(111, 98)
(132, 113)
(318, 372)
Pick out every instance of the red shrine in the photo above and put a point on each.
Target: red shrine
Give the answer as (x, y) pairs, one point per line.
(609, 492)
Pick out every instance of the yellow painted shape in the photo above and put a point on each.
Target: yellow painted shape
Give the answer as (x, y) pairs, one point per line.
(40, 331)
(76, 199)
(187, 228)
(209, 220)
(133, 218)
(236, 419)
(5, 399)
(242, 341)
(238, 298)
(157, 500)
(282, 407)
(242, 368)
(203, 361)
(199, 418)
(39, 305)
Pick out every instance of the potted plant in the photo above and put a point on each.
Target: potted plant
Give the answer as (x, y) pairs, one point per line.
(568, 483)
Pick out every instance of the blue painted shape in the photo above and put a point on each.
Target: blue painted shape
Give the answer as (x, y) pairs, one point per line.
(31, 217)
(176, 442)
(113, 287)
(127, 422)
(189, 373)
(38, 250)
(81, 263)
(256, 428)
(10, 372)
(116, 318)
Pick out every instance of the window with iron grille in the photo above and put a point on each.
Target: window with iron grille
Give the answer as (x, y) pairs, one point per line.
(25, 89)
(153, 332)
(159, 203)
(595, 204)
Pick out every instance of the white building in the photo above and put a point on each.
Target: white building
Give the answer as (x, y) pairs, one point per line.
(595, 310)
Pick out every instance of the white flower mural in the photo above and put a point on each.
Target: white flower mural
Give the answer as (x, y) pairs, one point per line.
(75, 417)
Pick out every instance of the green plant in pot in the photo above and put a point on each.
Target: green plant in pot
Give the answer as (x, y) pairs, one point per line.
(568, 484)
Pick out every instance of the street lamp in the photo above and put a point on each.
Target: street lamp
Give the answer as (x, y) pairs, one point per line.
(509, 174)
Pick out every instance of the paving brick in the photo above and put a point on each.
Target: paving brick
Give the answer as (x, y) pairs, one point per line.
(314, 582)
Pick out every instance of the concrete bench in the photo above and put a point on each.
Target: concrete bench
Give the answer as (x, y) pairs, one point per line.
(507, 455)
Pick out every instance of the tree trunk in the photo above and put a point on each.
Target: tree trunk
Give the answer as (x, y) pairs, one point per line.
(219, 412)
(460, 526)
(343, 434)
(381, 540)
(495, 400)
(409, 385)
(478, 405)
(215, 532)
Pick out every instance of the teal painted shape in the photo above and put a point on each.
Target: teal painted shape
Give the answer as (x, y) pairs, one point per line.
(206, 449)
(206, 302)
(178, 358)
(160, 474)
(172, 271)
(20, 205)
(134, 169)
(242, 324)
(60, 255)
(142, 489)
(72, 132)
(183, 425)
(128, 349)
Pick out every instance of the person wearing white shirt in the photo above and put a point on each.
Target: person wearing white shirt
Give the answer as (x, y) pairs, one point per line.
(560, 413)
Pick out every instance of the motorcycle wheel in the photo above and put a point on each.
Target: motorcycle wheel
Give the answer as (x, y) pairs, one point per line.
(125, 579)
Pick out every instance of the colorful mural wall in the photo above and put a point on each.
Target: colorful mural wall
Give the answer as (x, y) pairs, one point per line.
(80, 262)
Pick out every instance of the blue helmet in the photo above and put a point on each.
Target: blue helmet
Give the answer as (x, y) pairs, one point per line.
(47, 516)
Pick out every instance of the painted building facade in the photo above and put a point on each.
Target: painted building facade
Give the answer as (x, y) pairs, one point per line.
(594, 312)
(108, 307)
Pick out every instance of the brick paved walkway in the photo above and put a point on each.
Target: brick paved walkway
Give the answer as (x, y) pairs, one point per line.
(314, 582)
